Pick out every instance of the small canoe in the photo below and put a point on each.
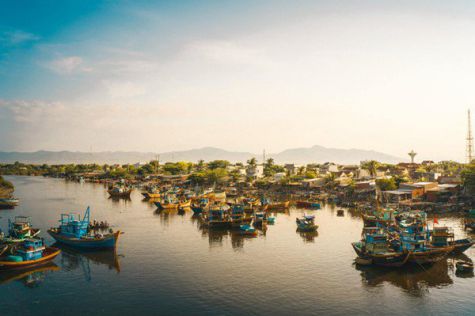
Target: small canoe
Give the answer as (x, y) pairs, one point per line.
(48, 254)
(464, 266)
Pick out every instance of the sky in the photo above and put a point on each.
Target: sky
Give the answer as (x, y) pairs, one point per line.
(159, 76)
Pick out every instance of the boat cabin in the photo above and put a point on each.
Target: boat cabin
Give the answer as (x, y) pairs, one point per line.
(72, 225)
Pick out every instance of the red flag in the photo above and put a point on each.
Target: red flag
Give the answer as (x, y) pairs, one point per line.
(435, 220)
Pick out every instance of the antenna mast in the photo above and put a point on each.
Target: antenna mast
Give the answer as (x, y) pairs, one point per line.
(469, 140)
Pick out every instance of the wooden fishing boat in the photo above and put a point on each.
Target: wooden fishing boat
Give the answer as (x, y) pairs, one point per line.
(8, 202)
(31, 252)
(119, 192)
(248, 230)
(76, 232)
(151, 195)
(217, 218)
(166, 205)
(97, 241)
(461, 245)
(306, 224)
(464, 266)
(429, 255)
(278, 205)
(308, 204)
(184, 204)
(381, 257)
(259, 219)
(19, 230)
(199, 207)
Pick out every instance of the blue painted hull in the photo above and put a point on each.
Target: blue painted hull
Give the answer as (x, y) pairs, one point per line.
(109, 241)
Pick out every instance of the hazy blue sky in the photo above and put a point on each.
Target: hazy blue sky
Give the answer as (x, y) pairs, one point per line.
(240, 75)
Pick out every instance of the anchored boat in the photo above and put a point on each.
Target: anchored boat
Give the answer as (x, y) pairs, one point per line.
(76, 232)
(306, 223)
(31, 252)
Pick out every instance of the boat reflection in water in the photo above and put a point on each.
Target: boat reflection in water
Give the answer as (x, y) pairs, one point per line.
(414, 279)
(73, 259)
(31, 278)
(308, 237)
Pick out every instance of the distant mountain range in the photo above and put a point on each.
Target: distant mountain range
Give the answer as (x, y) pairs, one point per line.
(315, 154)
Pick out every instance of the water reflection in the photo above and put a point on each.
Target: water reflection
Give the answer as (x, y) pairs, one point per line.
(121, 200)
(73, 259)
(308, 237)
(31, 278)
(415, 280)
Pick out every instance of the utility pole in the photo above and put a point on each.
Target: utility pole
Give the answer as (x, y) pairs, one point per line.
(469, 140)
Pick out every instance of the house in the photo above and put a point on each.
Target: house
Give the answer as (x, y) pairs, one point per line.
(313, 183)
(290, 167)
(396, 196)
(328, 167)
(254, 171)
(418, 189)
(279, 176)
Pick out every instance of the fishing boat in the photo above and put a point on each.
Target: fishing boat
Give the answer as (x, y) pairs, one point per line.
(184, 204)
(8, 202)
(470, 220)
(247, 230)
(76, 232)
(151, 195)
(169, 202)
(271, 220)
(306, 223)
(238, 217)
(218, 218)
(443, 236)
(278, 205)
(308, 204)
(376, 249)
(199, 207)
(464, 266)
(119, 191)
(259, 219)
(20, 229)
(29, 253)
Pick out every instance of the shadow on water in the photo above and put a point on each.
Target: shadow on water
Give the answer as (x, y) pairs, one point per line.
(73, 259)
(31, 278)
(308, 237)
(414, 279)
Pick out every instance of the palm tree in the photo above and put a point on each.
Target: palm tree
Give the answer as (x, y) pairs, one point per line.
(252, 162)
(372, 167)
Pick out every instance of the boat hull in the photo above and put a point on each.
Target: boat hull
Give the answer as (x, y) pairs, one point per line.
(392, 260)
(49, 254)
(430, 256)
(107, 242)
(461, 246)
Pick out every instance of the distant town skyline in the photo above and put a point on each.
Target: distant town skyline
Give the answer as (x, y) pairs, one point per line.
(241, 76)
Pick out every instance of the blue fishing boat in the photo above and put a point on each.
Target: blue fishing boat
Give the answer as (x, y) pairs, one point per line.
(247, 230)
(306, 224)
(19, 230)
(199, 207)
(376, 249)
(76, 232)
(30, 252)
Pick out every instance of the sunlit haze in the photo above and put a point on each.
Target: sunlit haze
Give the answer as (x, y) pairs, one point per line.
(238, 75)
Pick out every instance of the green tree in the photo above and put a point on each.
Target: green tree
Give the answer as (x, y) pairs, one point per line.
(468, 178)
(386, 184)
(372, 167)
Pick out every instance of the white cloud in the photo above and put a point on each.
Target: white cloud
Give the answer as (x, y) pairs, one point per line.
(126, 89)
(228, 52)
(17, 37)
(68, 65)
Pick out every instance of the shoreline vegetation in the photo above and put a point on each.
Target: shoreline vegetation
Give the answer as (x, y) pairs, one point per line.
(443, 186)
(6, 188)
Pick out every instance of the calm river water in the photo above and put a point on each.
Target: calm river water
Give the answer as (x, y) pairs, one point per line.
(166, 265)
